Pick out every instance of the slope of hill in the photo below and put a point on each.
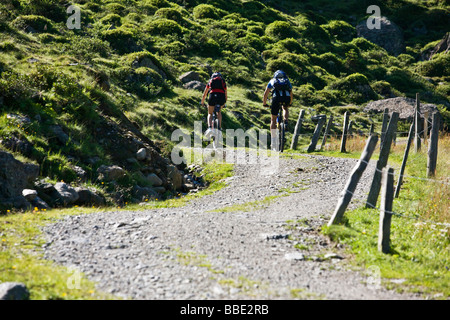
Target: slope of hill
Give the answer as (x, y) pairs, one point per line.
(84, 98)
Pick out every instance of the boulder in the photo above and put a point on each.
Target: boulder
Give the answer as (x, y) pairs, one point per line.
(144, 193)
(110, 173)
(13, 291)
(59, 133)
(175, 176)
(154, 180)
(389, 36)
(189, 76)
(141, 155)
(404, 106)
(22, 145)
(87, 197)
(195, 85)
(29, 194)
(39, 203)
(15, 176)
(65, 194)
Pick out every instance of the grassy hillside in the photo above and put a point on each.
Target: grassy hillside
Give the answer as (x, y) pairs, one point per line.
(121, 68)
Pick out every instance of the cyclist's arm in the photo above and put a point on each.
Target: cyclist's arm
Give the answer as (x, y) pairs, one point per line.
(292, 97)
(266, 95)
(205, 93)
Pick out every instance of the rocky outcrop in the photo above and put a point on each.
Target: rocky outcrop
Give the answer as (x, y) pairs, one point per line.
(404, 106)
(389, 36)
(15, 176)
(442, 46)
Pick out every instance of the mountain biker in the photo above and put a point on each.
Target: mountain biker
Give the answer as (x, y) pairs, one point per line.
(282, 96)
(217, 89)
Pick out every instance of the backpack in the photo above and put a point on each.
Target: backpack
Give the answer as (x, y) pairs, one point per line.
(281, 85)
(217, 82)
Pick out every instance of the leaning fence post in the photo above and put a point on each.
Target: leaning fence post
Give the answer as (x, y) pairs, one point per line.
(405, 158)
(316, 135)
(297, 129)
(433, 146)
(384, 125)
(417, 143)
(425, 127)
(382, 162)
(327, 131)
(352, 182)
(386, 210)
(344, 132)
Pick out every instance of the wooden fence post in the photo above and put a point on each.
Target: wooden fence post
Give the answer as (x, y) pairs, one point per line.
(372, 127)
(355, 176)
(405, 158)
(297, 129)
(417, 144)
(433, 146)
(384, 126)
(382, 162)
(316, 135)
(425, 127)
(327, 131)
(344, 132)
(387, 197)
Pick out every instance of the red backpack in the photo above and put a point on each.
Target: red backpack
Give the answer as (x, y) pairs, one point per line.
(217, 84)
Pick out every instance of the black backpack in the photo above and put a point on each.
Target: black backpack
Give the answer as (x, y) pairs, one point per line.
(282, 86)
(217, 82)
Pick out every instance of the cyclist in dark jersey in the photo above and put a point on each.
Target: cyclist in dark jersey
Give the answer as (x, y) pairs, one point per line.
(217, 89)
(281, 89)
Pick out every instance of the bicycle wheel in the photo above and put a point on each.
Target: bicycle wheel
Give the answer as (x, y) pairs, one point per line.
(281, 134)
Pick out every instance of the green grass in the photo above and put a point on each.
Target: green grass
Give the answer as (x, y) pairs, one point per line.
(420, 237)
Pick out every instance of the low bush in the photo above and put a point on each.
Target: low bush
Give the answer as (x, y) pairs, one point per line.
(340, 30)
(438, 66)
(164, 27)
(36, 23)
(169, 13)
(280, 30)
(205, 11)
(120, 39)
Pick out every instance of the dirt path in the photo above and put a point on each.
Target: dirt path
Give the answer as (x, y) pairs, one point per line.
(215, 249)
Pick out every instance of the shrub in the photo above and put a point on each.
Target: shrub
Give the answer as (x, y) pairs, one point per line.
(280, 30)
(341, 30)
(120, 39)
(256, 29)
(111, 19)
(329, 62)
(364, 44)
(174, 49)
(383, 88)
(169, 13)
(354, 88)
(51, 9)
(164, 27)
(284, 65)
(205, 11)
(37, 23)
(254, 41)
(158, 3)
(438, 66)
(87, 48)
(316, 33)
(116, 8)
(290, 45)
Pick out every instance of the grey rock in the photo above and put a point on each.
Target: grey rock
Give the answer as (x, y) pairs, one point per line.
(389, 36)
(39, 203)
(189, 76)
(29, 194)
(66, 194)
(88, 197)
(110, 173)
(141, 155)
(13, 291)
(144, 193)
(154, 180)
(21, 145)
(404, 106)
(80, 172)
(175, 176)
(15, 175)
(60, 134)
(195, 85)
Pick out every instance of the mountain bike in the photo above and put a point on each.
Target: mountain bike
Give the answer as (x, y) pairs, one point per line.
(215, 136)
(216, 125)
(281, 126)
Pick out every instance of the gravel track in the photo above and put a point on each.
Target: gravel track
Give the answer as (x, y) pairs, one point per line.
(204, 251)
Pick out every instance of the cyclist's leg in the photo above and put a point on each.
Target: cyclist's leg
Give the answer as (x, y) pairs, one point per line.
(285, 114)
(275, 108)
(210, 115)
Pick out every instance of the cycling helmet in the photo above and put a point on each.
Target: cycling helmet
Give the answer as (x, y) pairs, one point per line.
(279, 74)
